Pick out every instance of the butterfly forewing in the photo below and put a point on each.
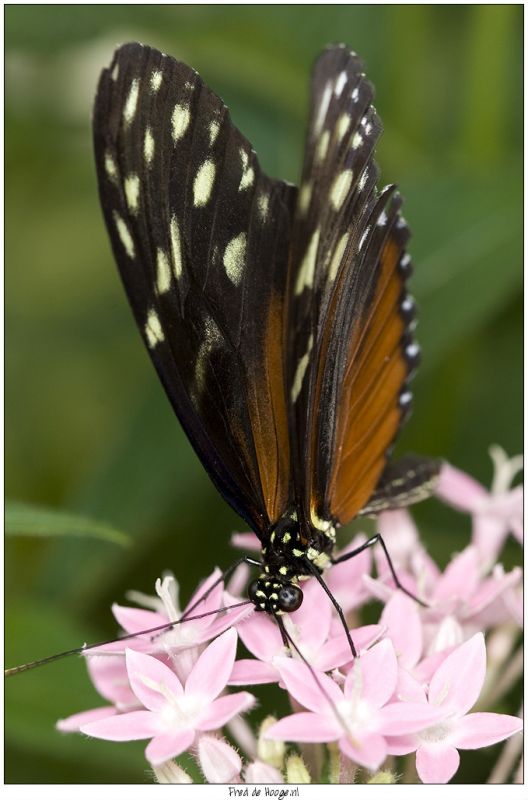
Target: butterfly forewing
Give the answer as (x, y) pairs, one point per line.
(201, 238)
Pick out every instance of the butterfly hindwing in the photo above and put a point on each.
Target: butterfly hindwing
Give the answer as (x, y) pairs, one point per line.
(352, 320)
(201, 239)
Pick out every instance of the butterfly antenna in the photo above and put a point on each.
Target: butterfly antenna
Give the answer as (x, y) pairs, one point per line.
(288, 640)
(78, 650)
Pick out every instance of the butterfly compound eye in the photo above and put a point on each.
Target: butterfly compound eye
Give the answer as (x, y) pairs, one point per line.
(252, 590)
(290, 598)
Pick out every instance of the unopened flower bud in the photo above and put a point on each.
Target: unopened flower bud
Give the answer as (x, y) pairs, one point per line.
(270, 751)
(296, 771)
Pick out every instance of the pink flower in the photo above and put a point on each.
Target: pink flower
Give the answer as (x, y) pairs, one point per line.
(495, 513)
(453, 690)
(358, 716)
(460, 600)
(172, 715)
(323, 649)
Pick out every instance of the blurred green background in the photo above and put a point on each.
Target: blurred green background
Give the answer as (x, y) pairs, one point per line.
(88, 428)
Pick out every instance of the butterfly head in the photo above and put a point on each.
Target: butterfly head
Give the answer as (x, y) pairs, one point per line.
(275, 596)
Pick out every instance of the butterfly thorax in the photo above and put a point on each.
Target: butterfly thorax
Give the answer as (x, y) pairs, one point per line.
(288, 557)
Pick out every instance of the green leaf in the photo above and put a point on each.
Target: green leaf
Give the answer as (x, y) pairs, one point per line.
(26, 519)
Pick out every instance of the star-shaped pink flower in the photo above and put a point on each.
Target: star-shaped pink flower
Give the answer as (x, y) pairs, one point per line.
(172, 714)
(357, 716)
(453, 691)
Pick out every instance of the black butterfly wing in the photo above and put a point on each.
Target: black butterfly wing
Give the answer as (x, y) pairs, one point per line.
(351, 320)
(201, 238)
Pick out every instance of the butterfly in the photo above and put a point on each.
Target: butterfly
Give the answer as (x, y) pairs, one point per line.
(277, 317)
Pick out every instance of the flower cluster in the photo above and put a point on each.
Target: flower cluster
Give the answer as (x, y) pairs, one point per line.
(419, 674)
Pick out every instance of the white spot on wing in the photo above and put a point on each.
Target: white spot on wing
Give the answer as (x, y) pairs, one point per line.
(322, 146)
(357, 141)
(340, 83)
(305, 195)
(248, 175)
(212, 339)
(163, 278)
(132, 192)
(115, 72)
(343, 124)
(176, 252)
(307, 269)
(235, 258)
(323, 108)
(355, 95)
(363, 180)
(214, 127)
(153, 329)
(129, 110)
(110, 166)
(148, 146)
(363, 238)
(203, 183)
(124, 235)
(338, 256)
(340, 188)
(263, 205)
(405, 260)
(181, 116)
(155, 80)
(301, 371)
(382, 219)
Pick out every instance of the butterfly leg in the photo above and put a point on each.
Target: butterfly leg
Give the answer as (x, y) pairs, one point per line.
(370, 543)
(336, 605)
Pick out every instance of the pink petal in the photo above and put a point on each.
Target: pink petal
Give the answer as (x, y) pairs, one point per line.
(73, 724)
(458, 680)
(482, 729)
(246, 541)
(401, 745)
(124, 727)
(459, 490)
(261, 636)
(314, 693)
(110, 678)
(219, 762)
(399, 719)
(402, 618)
(305, 727)
(493, 587)
(436, 763)
(345, 580)
(249, 671)
(168, 745)
(223, 709)
(368, 750)
(379, 672)
(424, 671)
(149, 677)
(459, 579)
(226, 620)
(408, 689)
(238, 581)
(336, 650)
(134, 620)
(315, 605)
(212, 670)
(259, 772)
(400, 534)
(209, 604)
